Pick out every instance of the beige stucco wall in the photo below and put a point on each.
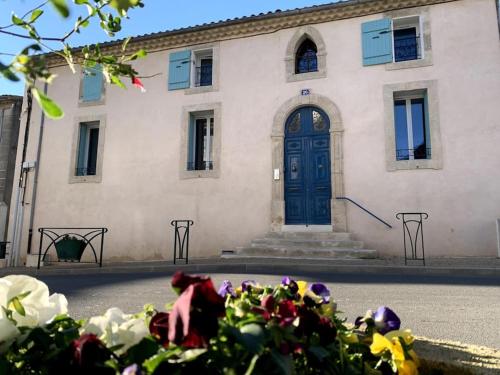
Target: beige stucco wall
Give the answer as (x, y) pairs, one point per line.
(141, 189)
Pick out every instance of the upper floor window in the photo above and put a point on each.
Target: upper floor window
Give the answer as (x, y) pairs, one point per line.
(194, 70)
(306, 59)
(92, 85)
(406, 36)
(202, 68)
(392, 40)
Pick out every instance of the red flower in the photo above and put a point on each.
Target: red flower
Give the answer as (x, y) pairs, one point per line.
(327, 331)
(194, 317)
(137, 83)
(268, 303)
(89, 353)
(287, 312)
(159, 327)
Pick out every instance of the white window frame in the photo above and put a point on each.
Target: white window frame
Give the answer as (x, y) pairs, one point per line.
(208, 154)
(89, 125)
(196, 57)
(100, 121)
(409, 120)
(419, 26)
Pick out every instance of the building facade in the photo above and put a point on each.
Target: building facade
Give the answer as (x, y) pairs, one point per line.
(259, 124)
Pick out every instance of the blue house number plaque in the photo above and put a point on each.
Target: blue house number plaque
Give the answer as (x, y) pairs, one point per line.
(305, 92)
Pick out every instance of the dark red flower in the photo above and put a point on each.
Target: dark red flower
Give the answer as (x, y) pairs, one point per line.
(308, 321)
(158, 327)
(287, 312)
(327, 331)
(88, 352)
(180, 281)
(268, 303)
(194, 317)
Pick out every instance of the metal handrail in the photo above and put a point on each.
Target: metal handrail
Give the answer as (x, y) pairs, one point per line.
(364, 209)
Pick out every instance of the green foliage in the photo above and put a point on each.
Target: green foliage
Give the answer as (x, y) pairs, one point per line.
(31, 64)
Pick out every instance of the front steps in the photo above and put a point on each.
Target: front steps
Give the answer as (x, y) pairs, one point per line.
(304, 245)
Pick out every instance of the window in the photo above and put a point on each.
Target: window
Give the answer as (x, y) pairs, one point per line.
(87, 149)
(306, 60)
(201, 135)
(200, 155)
(411, 128)
(305, 57)
(194, 70)
(203, 62)
(406, 37)
(92, 86)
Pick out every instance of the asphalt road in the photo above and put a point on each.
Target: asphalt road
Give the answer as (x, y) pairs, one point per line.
(451, 308)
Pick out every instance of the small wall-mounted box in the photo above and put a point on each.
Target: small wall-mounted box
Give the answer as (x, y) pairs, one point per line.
(29, 164)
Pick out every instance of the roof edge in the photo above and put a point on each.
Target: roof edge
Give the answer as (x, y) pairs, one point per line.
(255, 25)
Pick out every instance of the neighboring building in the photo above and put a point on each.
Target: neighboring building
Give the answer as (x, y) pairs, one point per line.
(10, 113)
(259, 123)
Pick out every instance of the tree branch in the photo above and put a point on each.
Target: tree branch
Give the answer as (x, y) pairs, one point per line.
(25, 14)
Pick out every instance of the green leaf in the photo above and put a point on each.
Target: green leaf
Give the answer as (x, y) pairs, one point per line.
(138, 55)
(16, 20)
(80, 2)
(283, 363)
(49, 107)
(117, 81)
(152, 363)
(6, 71)
(251, 367)
(145, 349)
(252, 337)
(35, 14)
(188, 355)
(319, 352)
(18, 306)
(61, 7)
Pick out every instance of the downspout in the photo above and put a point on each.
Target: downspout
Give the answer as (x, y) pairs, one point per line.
(35, 177)
(19, 209)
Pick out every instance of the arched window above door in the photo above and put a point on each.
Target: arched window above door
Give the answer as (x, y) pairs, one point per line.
(305, 55)
(306, 60)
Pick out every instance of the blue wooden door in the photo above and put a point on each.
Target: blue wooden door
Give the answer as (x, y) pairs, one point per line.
(307, 168)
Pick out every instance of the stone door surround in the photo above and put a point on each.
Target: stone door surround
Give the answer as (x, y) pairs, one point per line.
(338, 214)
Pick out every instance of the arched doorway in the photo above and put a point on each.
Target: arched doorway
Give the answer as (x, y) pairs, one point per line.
(283, 113)
(307, 171)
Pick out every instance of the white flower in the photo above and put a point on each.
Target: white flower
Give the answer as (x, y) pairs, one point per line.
(39, 307)
(116, 328)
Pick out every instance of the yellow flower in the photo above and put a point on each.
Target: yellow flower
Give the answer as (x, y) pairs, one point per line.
(349, 338)
(392, 343)
(302, 287)
(381, 343)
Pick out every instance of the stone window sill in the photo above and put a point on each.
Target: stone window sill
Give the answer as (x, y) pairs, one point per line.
(409, 64)
(199, 174)
(85, 179)
(200, 90)
(413, 164)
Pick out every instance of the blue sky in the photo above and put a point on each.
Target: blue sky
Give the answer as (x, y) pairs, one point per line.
(157, 15)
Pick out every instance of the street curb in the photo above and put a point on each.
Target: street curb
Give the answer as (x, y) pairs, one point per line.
(262, 268)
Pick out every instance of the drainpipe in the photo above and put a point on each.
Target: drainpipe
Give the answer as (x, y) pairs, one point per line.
(35, 177)
(19, 209)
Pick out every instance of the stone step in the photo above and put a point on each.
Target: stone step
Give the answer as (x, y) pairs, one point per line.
(306, 243)
(336, 236)
(301, 252)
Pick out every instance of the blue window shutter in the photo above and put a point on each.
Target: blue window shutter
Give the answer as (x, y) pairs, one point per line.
(82, 145)
(92, 84)
(191, 143)
(377, 42)
(179, 70)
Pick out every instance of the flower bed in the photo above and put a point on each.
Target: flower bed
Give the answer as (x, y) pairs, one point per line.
(293, 328)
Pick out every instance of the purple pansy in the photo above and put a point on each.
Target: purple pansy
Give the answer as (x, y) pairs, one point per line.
(386, 320)
(291, 284)
(247, 285)
(226, 288)
(321, 290)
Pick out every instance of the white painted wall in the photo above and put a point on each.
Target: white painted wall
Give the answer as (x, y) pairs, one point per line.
(141, 191)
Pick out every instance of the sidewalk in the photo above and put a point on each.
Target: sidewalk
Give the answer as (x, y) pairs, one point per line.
(470, 266)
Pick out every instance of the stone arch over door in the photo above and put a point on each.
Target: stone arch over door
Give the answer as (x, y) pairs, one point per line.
(338, 214)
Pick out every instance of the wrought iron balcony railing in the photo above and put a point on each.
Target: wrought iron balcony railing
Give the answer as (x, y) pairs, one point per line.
(203, 76)
(407, 48)
(200, 166)
(418, 153)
